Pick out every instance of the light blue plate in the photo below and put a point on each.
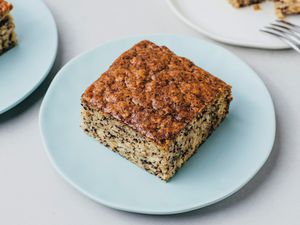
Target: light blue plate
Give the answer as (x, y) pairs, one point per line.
(25, 66)
(225, 163)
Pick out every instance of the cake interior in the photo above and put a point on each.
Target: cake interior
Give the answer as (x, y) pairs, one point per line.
(160, 160)
(287, 7)
(283, 7)
(7, 34)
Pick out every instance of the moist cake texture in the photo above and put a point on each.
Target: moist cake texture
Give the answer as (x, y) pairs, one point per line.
(287, 7)
(7, 27)
(154, 108)
(283, 7)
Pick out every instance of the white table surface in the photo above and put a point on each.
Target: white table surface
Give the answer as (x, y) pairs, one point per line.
(32, 193)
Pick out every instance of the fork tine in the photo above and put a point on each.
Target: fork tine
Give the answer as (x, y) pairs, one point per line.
(291, 35)
(287, 23)
(288, 35)
(283, 38)
(287, 29)
(295, 28)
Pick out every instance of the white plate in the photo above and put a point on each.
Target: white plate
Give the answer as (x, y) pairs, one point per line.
(24, 67)
(217, 19)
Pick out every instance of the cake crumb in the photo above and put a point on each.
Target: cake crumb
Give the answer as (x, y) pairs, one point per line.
(257, 7)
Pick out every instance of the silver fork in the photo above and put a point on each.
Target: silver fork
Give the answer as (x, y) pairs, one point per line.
(286, 31)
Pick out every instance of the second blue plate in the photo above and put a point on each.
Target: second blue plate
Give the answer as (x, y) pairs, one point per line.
(24, 67)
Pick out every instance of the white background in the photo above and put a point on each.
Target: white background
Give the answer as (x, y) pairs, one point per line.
(32, 193)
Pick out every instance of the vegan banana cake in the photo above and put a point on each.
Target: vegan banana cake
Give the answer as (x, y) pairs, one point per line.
(283, 7)
(7, 27)
(154, 108)
(287, 7)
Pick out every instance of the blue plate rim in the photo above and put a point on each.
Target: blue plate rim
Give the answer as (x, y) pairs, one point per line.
(134, 209)
(43, 77)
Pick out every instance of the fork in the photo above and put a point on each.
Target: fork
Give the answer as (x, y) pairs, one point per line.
(286, 31)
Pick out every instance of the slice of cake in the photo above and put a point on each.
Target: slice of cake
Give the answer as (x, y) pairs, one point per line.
(283, 7)
(154, 108)
(7, 27)
(242, 3)
(287, 7)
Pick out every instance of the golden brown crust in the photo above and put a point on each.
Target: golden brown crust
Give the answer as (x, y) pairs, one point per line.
(154, 91)
(5, 8)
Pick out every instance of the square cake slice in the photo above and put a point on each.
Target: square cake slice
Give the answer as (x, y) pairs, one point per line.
(287, 7)
(7, 27)
(242, 3)
(154, 108)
